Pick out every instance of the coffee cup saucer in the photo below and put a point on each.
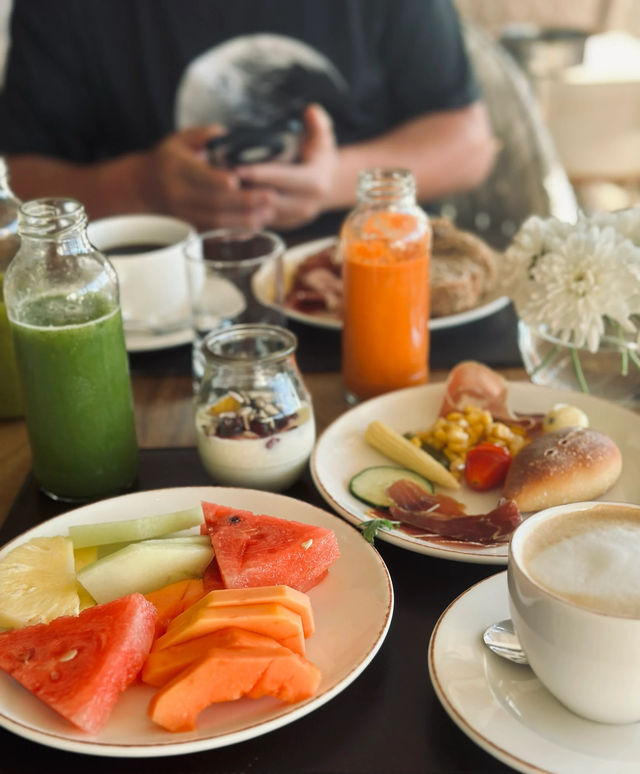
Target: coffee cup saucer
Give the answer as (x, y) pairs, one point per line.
(505, 709)
(137, 340)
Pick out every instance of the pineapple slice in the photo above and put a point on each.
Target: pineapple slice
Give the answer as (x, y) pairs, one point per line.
(38, 583)
(83, 557)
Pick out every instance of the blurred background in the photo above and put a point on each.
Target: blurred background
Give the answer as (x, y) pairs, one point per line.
(582, 60)
(581, 63)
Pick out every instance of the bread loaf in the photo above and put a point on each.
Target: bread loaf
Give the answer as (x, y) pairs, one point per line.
(463, 269)
(564, 466)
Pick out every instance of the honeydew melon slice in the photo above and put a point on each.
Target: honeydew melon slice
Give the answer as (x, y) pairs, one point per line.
(142, 528)
(144, 567)
(110, 548)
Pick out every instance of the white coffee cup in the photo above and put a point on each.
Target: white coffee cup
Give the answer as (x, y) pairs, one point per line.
(147, 252)
(574, 594)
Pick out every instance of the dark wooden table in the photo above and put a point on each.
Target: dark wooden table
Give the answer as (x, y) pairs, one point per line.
(389, 720)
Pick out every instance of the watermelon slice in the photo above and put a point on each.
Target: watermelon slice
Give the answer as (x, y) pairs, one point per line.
(257, 550)
(79, 665)
(212, 579)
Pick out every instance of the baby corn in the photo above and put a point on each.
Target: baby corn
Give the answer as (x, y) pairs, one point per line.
(401, 450)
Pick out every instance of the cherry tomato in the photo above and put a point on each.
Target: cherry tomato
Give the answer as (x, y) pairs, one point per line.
(486, 466)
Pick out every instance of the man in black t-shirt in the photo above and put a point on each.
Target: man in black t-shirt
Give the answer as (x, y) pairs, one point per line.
(113, 103)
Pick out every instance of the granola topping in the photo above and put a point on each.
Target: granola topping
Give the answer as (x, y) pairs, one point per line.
(246, 414)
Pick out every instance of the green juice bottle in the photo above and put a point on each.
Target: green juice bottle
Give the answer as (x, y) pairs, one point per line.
(62, 303)
(11, 403)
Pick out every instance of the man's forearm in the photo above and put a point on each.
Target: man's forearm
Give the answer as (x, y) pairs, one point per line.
(104, 188)
(447, 151)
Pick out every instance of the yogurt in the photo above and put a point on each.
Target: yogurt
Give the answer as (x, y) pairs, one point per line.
(271, 461)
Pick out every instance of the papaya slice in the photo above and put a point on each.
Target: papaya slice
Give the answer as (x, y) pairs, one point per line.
(174, 599)
(226, 674)
(163, 665)
(271, 619)
(296, 601)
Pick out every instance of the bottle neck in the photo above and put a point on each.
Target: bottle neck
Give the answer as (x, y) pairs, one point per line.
(386, 186)
(52, 219)
(59, 221)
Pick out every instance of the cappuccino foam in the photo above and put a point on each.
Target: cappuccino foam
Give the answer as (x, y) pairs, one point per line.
(591, 559)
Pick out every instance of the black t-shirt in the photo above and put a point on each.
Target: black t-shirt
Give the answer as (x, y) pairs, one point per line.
(91, 79)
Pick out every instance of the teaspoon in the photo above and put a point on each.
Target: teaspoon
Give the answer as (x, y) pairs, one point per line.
(502, 640)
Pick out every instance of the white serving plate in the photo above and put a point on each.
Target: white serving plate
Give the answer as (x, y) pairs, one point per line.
(352, 606)
(263, 285)
(341, 452)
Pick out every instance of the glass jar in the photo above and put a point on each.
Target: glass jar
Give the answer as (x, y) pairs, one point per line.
(611, 372)
(253, 415)
(385, 246)
(62, 302)
(11, 403)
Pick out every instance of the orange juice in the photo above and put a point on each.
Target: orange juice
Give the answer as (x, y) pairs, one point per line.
(385, 343)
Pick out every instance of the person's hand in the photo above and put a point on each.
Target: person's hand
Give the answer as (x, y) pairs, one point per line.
(181, 182)
(300, 192)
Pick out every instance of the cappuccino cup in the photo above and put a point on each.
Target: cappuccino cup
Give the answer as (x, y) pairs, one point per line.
(574, 594)
(147, 253)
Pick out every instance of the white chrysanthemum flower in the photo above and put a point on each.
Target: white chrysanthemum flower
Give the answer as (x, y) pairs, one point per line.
(535, 237)
(625, 222)
(588, 277)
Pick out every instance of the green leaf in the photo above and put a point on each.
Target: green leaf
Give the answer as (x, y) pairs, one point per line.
(370, 528)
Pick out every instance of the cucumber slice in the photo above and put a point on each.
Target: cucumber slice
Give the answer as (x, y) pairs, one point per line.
(369, 485)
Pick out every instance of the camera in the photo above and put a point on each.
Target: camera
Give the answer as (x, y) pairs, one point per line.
(278, 141)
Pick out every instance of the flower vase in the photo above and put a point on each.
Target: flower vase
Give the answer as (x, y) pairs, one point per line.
(611, 372)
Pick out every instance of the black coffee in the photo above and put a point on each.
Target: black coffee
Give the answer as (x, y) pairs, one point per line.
(136, 249)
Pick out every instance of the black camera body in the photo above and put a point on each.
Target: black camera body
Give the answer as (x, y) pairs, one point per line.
(279, 141)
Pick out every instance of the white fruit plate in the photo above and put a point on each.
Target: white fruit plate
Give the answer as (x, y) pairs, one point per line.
(352, 606)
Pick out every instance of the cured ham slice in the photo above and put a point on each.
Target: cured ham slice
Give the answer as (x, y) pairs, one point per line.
(317, 284)
(412, 506)
(472, 383)
(411, 496)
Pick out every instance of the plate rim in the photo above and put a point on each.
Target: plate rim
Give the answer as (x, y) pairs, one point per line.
(137, 342)
(492, 303)
(92, 745)
(465, 726)
(471, 555)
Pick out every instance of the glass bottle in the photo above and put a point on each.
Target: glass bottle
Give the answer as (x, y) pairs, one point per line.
(254, 418)
(62, 302)
(11, 403)
(385, 245)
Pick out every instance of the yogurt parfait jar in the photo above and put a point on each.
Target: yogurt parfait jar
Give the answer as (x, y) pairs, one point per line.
(253, 415)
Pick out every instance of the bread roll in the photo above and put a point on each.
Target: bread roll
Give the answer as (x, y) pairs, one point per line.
(564, 466)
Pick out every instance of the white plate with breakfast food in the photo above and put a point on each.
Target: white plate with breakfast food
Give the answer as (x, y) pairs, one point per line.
(611, 442)
(505, 709)
(352, 607)
(463, 281)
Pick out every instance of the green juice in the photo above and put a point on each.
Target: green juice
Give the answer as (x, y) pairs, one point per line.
(79, 408)
(11, 404)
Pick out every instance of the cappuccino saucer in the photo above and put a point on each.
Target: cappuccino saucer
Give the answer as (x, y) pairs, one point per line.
(505, 709)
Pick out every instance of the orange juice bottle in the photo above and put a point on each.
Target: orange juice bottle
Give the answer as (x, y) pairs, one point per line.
(385, 244)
